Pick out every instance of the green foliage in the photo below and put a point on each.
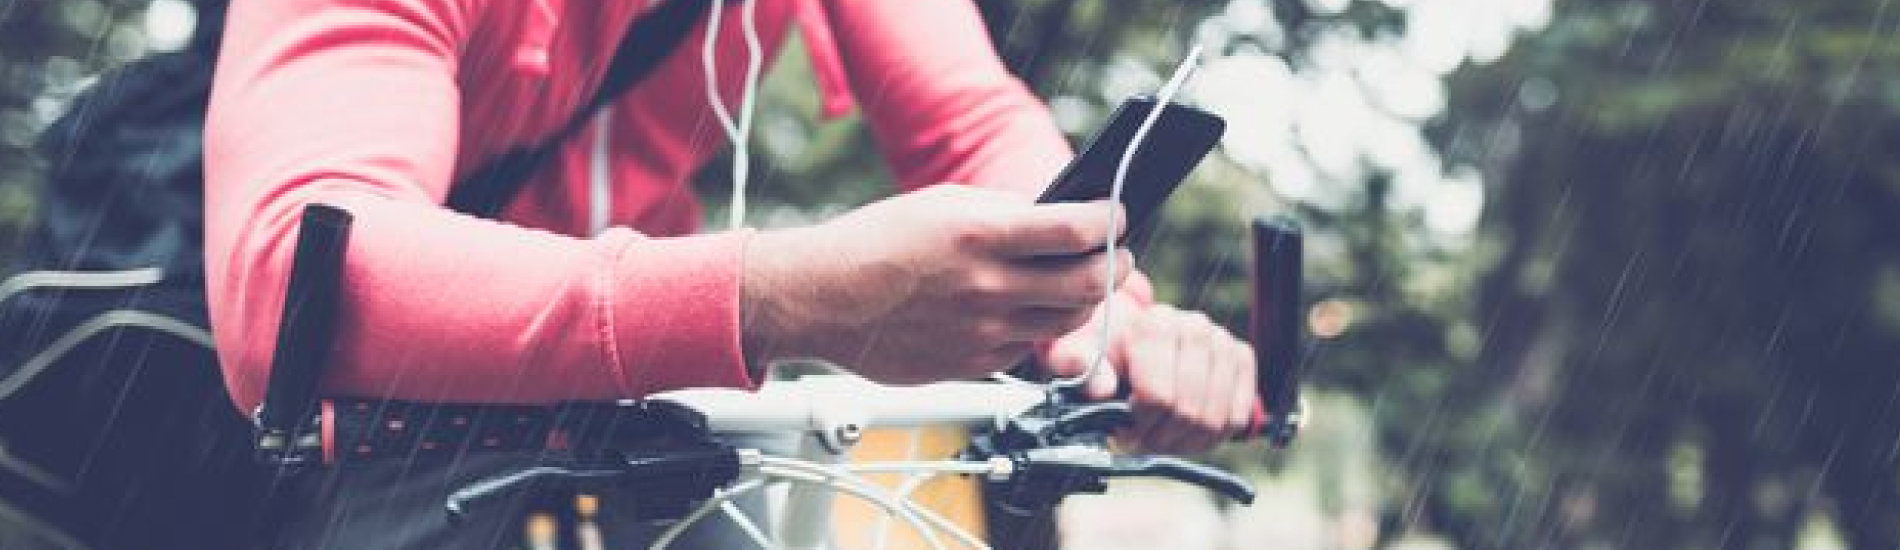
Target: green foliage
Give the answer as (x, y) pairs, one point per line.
(1710, 200)
(1676, 327)
(46, 49)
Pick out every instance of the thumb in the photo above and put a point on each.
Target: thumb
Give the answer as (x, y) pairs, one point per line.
(1102, 383)
(1071, 355)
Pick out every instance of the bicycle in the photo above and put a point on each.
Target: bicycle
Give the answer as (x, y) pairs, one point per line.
(1033, 447)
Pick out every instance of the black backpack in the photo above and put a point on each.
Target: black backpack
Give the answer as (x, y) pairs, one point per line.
(115, 427)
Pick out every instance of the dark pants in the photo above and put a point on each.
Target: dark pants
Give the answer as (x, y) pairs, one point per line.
(125, 441)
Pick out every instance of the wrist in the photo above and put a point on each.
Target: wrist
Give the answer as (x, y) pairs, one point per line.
(767, 333)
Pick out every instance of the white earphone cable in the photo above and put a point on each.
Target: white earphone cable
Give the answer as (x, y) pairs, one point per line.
(737, 131)
(1162, 99)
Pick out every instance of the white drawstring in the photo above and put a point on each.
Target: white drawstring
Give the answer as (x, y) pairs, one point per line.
(1162, 100)
(99, 323)
(31, 525)
(32, 472)
(736, 132)
(29, 280)
(599, 174)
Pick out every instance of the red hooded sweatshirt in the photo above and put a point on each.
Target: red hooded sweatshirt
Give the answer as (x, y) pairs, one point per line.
(376, 106)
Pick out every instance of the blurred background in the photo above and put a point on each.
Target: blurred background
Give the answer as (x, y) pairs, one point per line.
(1582, 273)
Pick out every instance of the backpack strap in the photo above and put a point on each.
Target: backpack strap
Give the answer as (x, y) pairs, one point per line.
(647, 42)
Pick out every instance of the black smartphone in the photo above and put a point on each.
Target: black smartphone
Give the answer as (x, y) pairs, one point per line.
(1180, 138)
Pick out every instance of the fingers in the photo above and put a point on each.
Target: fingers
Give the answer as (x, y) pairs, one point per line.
(1023, 325)
(1152, 355)
(1018, 313)
(1037, 324)
(1187, 427)
(1244, 390)
(1229, 399)
(1061, 229)
(1003, 356)
(1072, 286)
(1102, 384)
(1071, 354)
(1229, 366)
(1192, 382)
(1072, 283)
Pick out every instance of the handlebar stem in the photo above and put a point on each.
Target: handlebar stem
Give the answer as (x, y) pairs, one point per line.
(807, 513)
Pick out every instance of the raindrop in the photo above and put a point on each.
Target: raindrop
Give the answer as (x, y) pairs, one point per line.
(1537, 94)
(1331, 318)
(1071, 112)
(1328, 7)
(1459, 203)
(168, 24)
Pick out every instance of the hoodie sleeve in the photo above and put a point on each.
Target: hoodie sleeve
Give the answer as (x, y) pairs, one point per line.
(939, 101)
(942, 105)
(356, 104)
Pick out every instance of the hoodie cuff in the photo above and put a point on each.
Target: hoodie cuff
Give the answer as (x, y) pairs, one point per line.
(673, 313)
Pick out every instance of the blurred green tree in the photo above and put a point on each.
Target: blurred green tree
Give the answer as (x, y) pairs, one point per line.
(1677, 325)
(46, 50)
(1692, 309)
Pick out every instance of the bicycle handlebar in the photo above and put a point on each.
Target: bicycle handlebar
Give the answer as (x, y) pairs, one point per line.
(822, 402)
(1044, 450)
(1275, 328)
(1039, 447)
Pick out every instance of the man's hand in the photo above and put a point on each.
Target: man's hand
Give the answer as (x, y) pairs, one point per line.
(1191, 383)
(947, 282)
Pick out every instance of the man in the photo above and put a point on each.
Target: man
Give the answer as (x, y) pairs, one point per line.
(377, 106)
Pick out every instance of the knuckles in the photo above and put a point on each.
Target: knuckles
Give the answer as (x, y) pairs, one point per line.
(991, 332)
(1086, 285)
(1072, 321)
(984, 289)
(1072, 236)
(1206, 421)
(1197, 322)
(1050, 323)
(973, 233)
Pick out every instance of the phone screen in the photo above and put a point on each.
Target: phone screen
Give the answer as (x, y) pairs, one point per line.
(1180, 138)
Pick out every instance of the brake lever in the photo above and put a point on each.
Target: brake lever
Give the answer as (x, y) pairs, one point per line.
(1042, 477)
(665, 450)
(1060, 448)
(458, 502)
(667, 478)
(1170, 467)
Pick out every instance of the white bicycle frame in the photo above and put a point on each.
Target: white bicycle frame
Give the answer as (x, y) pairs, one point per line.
(829, 413)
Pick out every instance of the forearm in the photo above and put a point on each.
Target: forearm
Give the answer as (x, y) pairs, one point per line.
(435, 305)
(442, 307)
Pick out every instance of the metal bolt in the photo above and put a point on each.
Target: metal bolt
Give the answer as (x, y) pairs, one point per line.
(849, 434)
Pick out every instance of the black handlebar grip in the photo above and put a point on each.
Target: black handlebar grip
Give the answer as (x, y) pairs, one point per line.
(1278, 250)
(304, 335)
